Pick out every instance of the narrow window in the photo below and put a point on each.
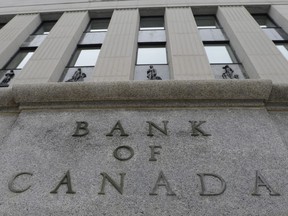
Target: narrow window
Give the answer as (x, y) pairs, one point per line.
(151, 55)
(222, 60)
(220, 54)
(151, 63)
(20, 60)
(274, 32)
(39, 35)
(283, 48)
(84, 59)
(98, 25)
(206, 22)
(152, 23)
(24, 54)
(270, 28)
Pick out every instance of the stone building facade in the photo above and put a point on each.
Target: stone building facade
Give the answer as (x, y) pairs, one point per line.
(143, 107)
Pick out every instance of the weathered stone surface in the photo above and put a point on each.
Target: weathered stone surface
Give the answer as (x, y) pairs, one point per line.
(141, 90)
(281, 122)
(241, 142)
(279, 93)
(6, 124)
(6, 98)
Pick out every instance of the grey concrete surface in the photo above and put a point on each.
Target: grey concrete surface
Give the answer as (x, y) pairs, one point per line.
(242, 141)
(143, 90)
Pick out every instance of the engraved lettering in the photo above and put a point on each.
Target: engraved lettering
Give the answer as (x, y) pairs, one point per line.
(66, 180)
(196, 128)
(204, 191)
(152, 124)
(118, 156)
(11, 183)
(153, 152)
(162, 181)
(81, 129)
(119, 127)
(118, 187)
(261, 182)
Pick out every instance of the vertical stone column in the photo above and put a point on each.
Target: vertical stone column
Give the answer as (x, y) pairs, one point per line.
(258, 54)
(186, 54)
(279, 13)
(51, 57)
(14, 33)
(116, 61)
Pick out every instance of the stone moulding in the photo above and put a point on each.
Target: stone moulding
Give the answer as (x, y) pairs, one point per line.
(241, 90)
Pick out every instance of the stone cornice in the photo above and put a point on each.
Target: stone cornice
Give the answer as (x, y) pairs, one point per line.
(142, 92)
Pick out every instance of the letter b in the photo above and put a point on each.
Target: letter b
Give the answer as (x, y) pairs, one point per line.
(81, 129)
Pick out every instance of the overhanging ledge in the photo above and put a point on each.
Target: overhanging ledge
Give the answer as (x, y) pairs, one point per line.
(142, 90)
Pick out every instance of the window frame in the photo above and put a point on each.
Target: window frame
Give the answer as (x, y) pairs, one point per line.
(41, 26)
(87, 30)
(81, 48)
(269, 19)
(151, 28)
(283, 43)
(230, 52)
(26, 49)
(151, 45)
(217, 26)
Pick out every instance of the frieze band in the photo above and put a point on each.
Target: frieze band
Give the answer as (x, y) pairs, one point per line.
(196, 126)
(161, 181)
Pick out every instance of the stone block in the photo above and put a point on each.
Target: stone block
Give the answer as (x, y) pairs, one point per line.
(162, 176)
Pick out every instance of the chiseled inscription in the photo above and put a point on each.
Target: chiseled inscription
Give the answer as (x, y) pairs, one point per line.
(118, 156)
(162, 181)
(204, 191)
(119, 127)
(261, 181)
(153, 152)
(81, 129)
(124, 153)
(196, 130)
(66, 180)
(11, 183)
(196, 126)
(153, 125)
(118, 187)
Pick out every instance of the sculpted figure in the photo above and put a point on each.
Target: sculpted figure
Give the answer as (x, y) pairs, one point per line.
(229, 73)
(152, 74)
(78, 76)
(8, 76)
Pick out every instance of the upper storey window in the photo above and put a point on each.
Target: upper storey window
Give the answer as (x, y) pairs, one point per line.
(220, 54)
(274, 32)
(264, 21)
(152, 30)
(84, 59)
(204, 22)
(151, 63)
(283, 48)
(98, 25)
(221, 57)
(95, 32)
(39, 35)
(45, 28)
(152, 23)
(209, 28)
(151, 55)
(20, 60)
(24, 54)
